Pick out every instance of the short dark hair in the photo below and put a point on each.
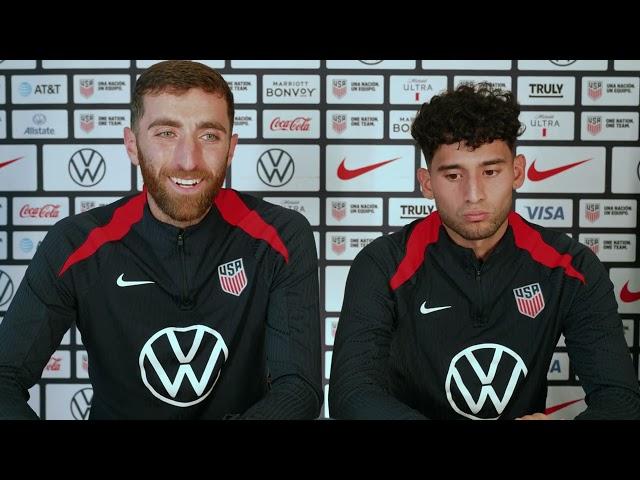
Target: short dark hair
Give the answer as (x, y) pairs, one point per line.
(475, 114)
(178, 76)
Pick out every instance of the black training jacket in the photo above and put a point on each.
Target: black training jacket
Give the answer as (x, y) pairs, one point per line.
(426, 330)
(216, 320)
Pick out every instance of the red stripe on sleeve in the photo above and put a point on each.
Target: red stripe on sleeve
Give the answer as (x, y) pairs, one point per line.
(530, 240)
(423, 234)
(236, 212)
(124, 217)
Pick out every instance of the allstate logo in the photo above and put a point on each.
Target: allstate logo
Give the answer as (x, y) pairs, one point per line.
(39, 119)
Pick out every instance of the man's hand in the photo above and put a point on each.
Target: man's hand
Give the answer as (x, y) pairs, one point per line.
(535, 416)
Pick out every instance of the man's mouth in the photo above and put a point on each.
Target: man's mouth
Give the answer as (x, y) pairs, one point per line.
(476, 216)
(186, 182)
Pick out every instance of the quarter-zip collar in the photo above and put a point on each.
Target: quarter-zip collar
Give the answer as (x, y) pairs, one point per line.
(449, 251)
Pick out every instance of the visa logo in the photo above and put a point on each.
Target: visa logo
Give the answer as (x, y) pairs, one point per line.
(545, 213)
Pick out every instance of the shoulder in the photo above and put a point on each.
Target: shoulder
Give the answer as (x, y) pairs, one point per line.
(280, 217)
(387, 245)
(387, 251)
(285, 230)
(242, 208)
(562, 243)
(557, 248)
(74, 229)
(68, 235)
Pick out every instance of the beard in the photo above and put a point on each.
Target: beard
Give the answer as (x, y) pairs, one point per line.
(476, 230)
(188, 206)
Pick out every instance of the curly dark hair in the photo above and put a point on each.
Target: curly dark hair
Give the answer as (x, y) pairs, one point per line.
(475, 114)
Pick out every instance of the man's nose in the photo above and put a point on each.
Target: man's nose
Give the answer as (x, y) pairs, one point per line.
(474, 189)
(188, 155)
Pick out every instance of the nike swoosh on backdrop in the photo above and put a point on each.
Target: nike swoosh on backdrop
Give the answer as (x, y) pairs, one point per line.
(627, 295)
(124, 283)
(8, 162)
(560, 406)
(345, 174)
(424, 310)
(536, 175)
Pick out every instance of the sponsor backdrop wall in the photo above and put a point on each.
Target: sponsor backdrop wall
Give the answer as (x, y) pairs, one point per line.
(331, 140)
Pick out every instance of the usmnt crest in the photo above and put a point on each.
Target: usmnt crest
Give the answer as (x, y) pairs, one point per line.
(529, 299)
(594, 125)
(338, 244)
(339, 122)
(87, 122)
(595, 89)
(339, 87)
(86, 87)
(338, 210)
(592, 211)
(233, 279)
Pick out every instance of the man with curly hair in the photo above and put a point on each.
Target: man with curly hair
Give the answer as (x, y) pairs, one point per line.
(457, 315)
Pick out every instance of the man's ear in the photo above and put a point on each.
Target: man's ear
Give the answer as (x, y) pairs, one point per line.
(424, 179)
(519, 170)
(131, 145)
(232, 148)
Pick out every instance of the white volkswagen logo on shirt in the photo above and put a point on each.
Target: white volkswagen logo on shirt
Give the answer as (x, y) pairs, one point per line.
(207, 344)
(500, 358)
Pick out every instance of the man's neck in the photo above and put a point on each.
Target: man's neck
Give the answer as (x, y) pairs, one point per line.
(164, 218)
(483, 247)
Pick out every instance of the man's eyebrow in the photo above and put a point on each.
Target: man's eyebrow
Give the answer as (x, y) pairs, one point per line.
(493, 161)
(165, 122)
(168, 122)
(214, 125)
(454, 166)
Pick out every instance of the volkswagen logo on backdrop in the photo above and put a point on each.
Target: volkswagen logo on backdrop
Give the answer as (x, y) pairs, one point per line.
(6, 288)
(87, 167)
(81, 404)
(275, 167)
(563, 63)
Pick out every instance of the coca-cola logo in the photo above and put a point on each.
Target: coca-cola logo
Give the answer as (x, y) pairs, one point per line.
(298, 124)
(48, 210)
(54, 364)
